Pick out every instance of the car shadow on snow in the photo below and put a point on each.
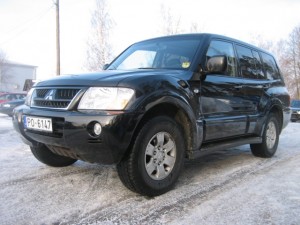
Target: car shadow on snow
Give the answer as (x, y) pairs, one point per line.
(215, 164)
(103, 177)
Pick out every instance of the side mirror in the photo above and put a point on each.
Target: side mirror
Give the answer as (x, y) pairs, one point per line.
(216, 64)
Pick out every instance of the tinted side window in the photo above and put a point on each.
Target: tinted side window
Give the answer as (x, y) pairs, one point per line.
(270, 67)
(223, 48)
(247, 62)
(258, 65)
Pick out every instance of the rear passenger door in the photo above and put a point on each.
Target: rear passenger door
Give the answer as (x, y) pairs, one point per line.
(222, 100)
(260, 73)
(251, 69)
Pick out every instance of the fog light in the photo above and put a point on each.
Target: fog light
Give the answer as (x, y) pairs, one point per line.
(97, 129)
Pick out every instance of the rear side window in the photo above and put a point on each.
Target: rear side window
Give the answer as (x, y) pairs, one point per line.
(217, 48)
(258, 65)
(270, 67)
(250, 64)
(246, 62)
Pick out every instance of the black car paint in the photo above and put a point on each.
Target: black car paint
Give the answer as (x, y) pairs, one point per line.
(243, 107)
(118, 127)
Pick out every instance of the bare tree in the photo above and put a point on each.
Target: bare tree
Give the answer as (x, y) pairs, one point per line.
(3, 69)
(99, 50)
(195, 28)
(293, 60)
(261, 42)
(281, 53)
(2, 58)
(287, 53)
(170, 23)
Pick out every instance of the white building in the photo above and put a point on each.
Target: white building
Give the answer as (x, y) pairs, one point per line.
(13, 76)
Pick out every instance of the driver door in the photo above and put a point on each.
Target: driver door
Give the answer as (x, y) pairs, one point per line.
(222, 101)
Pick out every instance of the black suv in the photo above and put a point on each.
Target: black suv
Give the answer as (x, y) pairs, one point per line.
(159, 102)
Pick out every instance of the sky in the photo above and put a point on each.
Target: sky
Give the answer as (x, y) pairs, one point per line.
(27, 27)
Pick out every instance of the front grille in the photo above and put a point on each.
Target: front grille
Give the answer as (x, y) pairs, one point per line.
(59, 98)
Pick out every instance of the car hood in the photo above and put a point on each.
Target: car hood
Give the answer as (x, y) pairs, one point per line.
(108, 78)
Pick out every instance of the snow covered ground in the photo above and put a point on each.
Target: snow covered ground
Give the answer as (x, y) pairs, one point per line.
(227, 187)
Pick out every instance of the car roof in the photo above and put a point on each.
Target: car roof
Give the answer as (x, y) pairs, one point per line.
(206, 36)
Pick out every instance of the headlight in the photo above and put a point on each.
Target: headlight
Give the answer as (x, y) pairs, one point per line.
(6, 105)
(106, 98)
(29, 97)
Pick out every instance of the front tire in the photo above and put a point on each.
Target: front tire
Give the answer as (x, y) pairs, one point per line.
(270, 137)
(156, 158)
(44, 155)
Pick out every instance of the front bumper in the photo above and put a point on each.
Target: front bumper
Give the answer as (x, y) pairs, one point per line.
(71, 136)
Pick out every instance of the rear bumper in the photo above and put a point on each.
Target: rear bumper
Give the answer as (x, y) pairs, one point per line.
(71, 136)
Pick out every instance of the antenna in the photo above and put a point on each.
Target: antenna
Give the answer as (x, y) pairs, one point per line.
(57, 39)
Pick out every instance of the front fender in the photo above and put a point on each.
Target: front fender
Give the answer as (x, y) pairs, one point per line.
(185, 107)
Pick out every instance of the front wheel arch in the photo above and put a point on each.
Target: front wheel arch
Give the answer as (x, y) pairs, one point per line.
(180, 114)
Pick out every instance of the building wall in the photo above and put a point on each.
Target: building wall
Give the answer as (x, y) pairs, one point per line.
(13, 76)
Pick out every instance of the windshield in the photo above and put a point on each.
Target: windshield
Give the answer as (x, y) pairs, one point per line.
(158, 54)
(295, 103)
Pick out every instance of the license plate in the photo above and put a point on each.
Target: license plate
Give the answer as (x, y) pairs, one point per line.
(38, 123)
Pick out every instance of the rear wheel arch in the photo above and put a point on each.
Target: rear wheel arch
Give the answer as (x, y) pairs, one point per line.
(270, 138)
(277, 111)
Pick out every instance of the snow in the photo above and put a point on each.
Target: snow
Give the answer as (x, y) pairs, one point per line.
(227, 187)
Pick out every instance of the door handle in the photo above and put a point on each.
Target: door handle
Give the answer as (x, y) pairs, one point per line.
(238, 87)
(266, 86)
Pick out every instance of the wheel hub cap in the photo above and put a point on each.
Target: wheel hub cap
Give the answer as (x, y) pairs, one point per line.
(160, 156)
(271, 135)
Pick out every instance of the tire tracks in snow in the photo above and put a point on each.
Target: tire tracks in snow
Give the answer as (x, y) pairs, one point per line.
(39, 178)
(139, 210)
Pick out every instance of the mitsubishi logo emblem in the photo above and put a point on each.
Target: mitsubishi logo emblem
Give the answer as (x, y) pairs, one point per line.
(50, 95)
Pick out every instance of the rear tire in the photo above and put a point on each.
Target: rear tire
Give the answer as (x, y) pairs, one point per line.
(44, 155)
(156, 159)
(270, 140)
